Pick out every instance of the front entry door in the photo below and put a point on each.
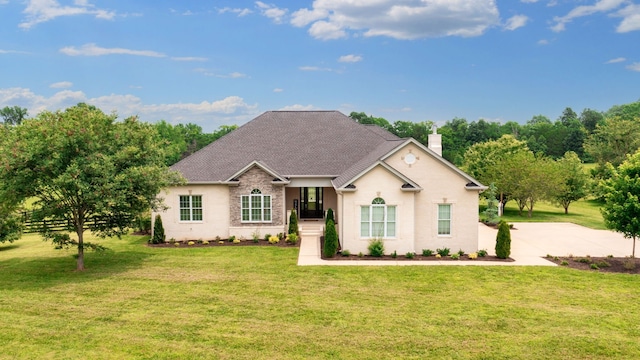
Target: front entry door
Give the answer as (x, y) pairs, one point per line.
(311, 203)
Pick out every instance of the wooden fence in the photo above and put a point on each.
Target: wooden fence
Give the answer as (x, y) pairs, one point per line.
(34, 225)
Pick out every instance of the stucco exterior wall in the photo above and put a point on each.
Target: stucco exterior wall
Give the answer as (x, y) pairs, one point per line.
(440, 185)
(215, 213)
(379, 182)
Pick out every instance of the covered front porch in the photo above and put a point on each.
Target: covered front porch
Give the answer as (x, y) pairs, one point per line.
(311, 198)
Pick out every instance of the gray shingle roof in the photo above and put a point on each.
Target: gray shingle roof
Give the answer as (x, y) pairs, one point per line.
(291, 143)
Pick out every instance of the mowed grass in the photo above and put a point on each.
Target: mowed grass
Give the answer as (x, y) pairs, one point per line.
(585, 212)
(136, 302)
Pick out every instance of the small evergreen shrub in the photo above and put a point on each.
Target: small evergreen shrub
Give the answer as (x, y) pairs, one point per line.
(594, 266)
(158, 231)
(455, 256)
(503, 241)
(409, 255)
(376, 247)
(281, 236)
(564, 263)
(584, 260)
(330, 240)
(427, 252)
(292, 239)
(293, 223)
(172, 241)
(461, 252)
(329, 217)
(360, 254)
(482, 253)
(443, 251)
(267, 237)
(603, 264)
(394, 254)
(232, 238)
(345, 252)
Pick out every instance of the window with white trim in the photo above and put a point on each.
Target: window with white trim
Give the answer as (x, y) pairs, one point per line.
(444, 219)
(256, 207)
(190, 207)
(378, 220)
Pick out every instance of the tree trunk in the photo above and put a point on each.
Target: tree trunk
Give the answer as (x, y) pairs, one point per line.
(80, 251)
(566, 210)
(80, 233)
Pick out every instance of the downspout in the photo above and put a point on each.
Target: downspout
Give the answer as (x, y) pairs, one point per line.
(340, 217)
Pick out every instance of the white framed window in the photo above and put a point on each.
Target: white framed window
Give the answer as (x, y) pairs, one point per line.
(190, 207)
(444, 219)
(255, 207)
(378, 220)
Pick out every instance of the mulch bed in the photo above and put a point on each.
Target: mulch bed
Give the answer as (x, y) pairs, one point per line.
(624, 265)
(227, 243)
(416, 257)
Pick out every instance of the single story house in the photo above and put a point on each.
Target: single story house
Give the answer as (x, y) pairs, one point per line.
(378, 185)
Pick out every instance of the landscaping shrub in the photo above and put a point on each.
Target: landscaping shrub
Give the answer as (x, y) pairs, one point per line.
(267, 237)
(292, 239)
(455, 256)
(482, 253)
(329, 217)
(256, 236)
(345, 252)
(273, 240)
(443, 251)
(409, 255)
(293, 223)
(232, 238)
(427, 252)
(461, 252)
(503, 241)
(394, 254)
(376, 247)
(473, 256)
(158, 231)
(330, 240)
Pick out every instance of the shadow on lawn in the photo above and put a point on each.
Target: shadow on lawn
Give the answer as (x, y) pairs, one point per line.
(43, 272)
(9, 247)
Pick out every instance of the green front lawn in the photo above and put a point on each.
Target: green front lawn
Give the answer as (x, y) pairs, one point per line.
(255, 303)
(582, 212)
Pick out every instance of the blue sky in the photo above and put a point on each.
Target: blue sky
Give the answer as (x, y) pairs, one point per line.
(225, 62)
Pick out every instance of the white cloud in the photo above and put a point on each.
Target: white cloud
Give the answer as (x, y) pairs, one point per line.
(409, 19)
(516, 21)
(529, 1)
(298, 107)
(232, 75)
(61, 85)
(240, 12)
(631, 19)
(543, 42)
(278, 90)
(271, 11)
(634, 67)
(94, 50)
(616, 60)
(12, 52)
(314, 68)
(189, 58)
(40, 11)
(350, 58)
(230, 110)
(304, 17)
(585, 10)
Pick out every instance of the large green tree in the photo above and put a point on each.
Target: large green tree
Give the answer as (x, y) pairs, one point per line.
(611, 141)
(86, 169)
(13, 115)
(575, 181)
(621, 210)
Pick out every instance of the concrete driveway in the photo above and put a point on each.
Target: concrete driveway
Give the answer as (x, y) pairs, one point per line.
(531, 241)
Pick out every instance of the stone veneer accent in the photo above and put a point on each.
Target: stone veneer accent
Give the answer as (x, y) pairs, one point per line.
(256, 178)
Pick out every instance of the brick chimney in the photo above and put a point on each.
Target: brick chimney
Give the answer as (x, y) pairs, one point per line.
(435, 141)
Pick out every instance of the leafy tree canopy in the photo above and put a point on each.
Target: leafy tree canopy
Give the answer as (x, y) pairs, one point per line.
(621, 211)
(86, 169)
(13, 115)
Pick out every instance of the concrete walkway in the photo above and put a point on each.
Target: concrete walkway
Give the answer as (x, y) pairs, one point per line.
(530, 242)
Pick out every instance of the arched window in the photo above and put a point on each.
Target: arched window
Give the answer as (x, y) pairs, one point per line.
(256, 207)
(378, 220)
